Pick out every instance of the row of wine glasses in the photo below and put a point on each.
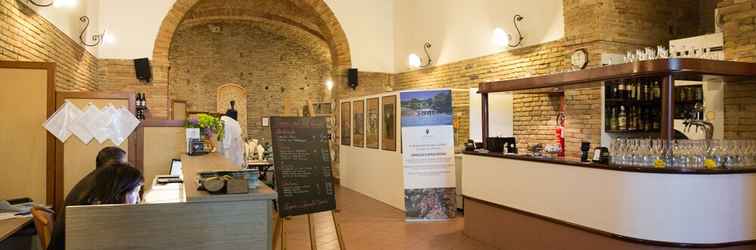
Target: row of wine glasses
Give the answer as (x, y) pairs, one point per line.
(684, 153)
(673, 52)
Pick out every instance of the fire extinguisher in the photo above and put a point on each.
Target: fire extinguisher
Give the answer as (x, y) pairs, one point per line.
(561, 117)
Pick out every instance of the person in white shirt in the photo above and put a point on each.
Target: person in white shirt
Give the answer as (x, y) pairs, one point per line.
(232, 146)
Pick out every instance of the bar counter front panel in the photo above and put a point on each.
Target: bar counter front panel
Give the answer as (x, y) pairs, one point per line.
(178, 216)
(680, 209)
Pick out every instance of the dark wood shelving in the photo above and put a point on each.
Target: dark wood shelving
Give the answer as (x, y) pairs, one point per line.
(681, 68)
(668, 70)
(632, 132)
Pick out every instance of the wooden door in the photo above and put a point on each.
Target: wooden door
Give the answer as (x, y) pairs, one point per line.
(26, 149)
(74, 159)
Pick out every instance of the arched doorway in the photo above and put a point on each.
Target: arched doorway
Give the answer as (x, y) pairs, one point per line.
(329, 27)
(233, 92)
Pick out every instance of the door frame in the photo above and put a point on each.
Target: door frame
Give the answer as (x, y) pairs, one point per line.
(50, 155)
(133, 154)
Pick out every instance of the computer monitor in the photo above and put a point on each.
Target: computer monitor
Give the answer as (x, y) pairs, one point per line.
(175, 169)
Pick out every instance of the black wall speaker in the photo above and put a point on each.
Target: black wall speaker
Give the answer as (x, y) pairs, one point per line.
(352, 78)
(143, 69)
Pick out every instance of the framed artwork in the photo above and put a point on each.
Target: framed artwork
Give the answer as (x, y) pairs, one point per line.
(358, 133)
(373, 123)
(388, 125)
(266, 121)
(346, 123)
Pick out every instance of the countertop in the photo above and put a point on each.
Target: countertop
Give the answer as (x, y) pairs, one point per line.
(216, 162)
(577, 163)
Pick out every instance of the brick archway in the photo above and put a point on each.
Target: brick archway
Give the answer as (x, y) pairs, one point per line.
(338, 43)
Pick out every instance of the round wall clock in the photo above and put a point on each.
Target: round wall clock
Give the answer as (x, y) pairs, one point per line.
(579, 59)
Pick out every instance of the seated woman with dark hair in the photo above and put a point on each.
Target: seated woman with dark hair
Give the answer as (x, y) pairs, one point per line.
(114, 183)
(117, 183)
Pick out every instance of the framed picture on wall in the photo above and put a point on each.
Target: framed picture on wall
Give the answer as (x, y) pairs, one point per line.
(373, 123)
(346, 123)
(359, 123)
(266, 121)
(388, 125)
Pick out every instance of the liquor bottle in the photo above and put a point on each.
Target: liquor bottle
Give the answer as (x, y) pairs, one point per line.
(633, 93)
(638, 120)
(655, 117)
(610, 90)
(613, 122)
(639, 91)
(657, 91)
(620, 90)
(699, 94)
(645, 92)
(622, 119)
(139, 106)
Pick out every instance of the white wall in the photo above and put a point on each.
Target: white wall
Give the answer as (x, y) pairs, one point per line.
(133, 26)
(65, 14)
(376, 173)
(369, 27)
(381, 33)
(463, 29)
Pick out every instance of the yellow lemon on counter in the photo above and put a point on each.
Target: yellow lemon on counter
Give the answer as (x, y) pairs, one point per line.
(710, 164)
(659, 163)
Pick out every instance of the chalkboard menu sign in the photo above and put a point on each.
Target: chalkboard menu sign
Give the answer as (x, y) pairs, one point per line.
(303, 165)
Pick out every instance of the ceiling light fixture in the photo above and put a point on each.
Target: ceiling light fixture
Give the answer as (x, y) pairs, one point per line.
(96, 38)
(416, 62)
(41, 5)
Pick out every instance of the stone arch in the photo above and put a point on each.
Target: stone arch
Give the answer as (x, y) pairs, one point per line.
(338, 43)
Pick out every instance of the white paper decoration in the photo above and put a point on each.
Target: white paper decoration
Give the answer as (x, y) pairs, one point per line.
(124, 122)
(110, 123)
(60, 122)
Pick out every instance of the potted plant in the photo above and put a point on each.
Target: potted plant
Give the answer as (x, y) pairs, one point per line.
(211, 129)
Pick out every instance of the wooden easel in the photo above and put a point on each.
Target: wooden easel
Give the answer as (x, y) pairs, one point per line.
(313, 245)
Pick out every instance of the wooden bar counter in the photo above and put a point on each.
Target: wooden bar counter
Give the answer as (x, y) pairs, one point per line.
(180, 217)
(521, 202)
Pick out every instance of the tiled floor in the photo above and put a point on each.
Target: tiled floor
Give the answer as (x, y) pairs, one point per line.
(368, 224)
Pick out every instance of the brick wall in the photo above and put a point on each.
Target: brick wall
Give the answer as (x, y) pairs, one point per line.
(26, 36)
(279, 69)
(739, 18)
(119, 75)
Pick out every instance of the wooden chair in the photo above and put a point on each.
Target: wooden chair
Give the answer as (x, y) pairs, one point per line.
(43, 222)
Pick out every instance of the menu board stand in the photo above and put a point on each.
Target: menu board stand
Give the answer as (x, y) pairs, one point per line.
(304, 182)
(313, 245)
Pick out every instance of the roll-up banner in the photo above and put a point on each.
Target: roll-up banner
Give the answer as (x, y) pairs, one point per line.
(428, 152)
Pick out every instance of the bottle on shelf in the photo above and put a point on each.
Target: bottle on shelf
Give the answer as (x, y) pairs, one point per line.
(622, 119)
(620, 90)
(613, 122)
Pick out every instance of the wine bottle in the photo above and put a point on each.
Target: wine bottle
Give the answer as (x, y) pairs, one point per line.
(657, 91)
(633, 93)
(657, 123)
(622, 119)
(620, 90)
(613, 122)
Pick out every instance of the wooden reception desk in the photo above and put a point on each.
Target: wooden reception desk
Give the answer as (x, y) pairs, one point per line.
(178, 216)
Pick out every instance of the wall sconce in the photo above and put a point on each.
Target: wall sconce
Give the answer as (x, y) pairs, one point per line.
(41, 5)
(96, 38)
(416, 62)
(329, 84)
(502, 38)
